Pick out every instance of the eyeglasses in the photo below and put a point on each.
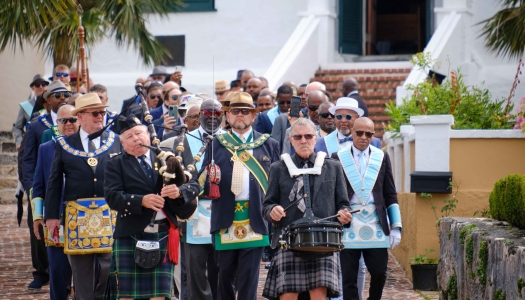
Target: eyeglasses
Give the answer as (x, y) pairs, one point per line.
(65, 120)
(220, 93)
(59, 94)
(173, 97)
(313, 108)
(236, 111)
(215, 113)
(284, 102)
(340, 117)
(155, 96)
(368, 134)
(82, 93)
(299, 137)
(326, 115)
(40, 85)
(61, 74)
(95, 113)
(193, 117)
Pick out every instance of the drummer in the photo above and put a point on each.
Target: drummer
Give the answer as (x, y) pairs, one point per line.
(317, 273)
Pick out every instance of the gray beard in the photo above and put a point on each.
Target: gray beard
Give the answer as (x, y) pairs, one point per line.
(345, 132)
(239, 127)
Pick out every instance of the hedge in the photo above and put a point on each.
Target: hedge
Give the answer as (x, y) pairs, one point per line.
(507, 200)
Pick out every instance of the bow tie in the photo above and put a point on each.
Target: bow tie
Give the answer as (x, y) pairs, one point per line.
(345, 140)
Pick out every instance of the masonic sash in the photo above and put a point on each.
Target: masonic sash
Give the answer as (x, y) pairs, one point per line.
(273, 113)
(332, 143)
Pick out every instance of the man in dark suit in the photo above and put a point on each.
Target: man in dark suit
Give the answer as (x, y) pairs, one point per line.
(55, 96)
(59, 268)
(350, 90)
(132, 188)
(377, 226)
(266, 119)
(77, 172)
(328, 198)
(239, 231)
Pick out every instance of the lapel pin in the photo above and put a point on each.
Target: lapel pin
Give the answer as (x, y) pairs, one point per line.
(156, 164)
(266, 158)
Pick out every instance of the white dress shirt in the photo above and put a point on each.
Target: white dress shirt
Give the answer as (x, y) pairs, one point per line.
(245, 194)
(356, 152)
(85, 140)
(345, 144)
(54, 116)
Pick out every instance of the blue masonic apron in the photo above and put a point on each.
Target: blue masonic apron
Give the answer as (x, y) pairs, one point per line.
(198, 227)
(273, 113)
(332, 143)
(365, 231)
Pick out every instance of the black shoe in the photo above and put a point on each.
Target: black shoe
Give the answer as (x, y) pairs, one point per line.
(267, 266)
(37, 284)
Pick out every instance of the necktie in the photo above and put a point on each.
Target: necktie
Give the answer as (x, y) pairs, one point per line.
(362, 163)
(237, 173)
(297, 191)
(91, 146)
(345, 140)
(146, 168)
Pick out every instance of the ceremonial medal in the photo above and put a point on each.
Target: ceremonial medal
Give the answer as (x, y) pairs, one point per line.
(240, 232)
(92, 162)
(245, 156)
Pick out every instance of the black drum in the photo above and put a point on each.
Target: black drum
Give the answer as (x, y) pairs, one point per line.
(314, 237)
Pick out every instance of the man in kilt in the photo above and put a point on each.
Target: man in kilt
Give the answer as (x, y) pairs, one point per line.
(291, 274)
(135, 190)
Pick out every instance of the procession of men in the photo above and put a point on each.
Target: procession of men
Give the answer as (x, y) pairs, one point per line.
(183, 193)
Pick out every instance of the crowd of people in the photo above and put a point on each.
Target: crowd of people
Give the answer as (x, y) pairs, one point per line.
(184, 192)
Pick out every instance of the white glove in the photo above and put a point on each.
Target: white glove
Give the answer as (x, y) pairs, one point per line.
(395, 237)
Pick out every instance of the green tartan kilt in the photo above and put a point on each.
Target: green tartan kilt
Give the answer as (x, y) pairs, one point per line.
(127, 280)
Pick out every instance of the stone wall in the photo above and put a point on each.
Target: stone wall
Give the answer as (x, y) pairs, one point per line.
(8, 168)
(481, 259)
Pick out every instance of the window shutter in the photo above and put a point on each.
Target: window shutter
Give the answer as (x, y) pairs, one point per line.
(351, 26)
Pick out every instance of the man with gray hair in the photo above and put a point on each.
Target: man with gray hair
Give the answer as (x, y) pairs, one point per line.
(317, 275)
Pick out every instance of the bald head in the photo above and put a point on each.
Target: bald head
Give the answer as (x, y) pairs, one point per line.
(313, 86)
(254, 87)
(170, 85)
(313, 100)
(349, 85)
(362, 133)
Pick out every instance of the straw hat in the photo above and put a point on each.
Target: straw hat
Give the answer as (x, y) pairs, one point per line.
(240, 100)
(87, 101)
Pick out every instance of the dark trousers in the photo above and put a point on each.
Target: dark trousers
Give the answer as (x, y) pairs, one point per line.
(242, 264)
(376, 261)
(84, 273)
(183, 293)
(202, 271)
(38, 249)
(59, 273)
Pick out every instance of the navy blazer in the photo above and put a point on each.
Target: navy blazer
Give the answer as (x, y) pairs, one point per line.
(33, 140)
(384, 191)
(80, 180)
(223, 207)
(156, 113)
(43, 167)
(263, 123)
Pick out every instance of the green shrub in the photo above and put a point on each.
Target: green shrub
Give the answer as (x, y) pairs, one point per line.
(507, 200)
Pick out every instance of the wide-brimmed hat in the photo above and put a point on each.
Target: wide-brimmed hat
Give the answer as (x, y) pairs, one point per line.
(221, 86)
(239, 100)
(159, 70)
(346, 103)
(38, 78)
(55, 86)
(87, 101)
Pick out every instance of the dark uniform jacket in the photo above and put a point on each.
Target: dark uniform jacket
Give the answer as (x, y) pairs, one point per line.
(32, 141)
(79, 178)
(384, 191)
(328, 191)
(125, 186)
(223, 207)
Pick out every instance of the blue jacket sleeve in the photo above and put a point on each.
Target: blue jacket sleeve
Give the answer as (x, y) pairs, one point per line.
(39, 186)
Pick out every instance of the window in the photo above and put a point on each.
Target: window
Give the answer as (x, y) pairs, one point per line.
(176, 45)
(196, 5)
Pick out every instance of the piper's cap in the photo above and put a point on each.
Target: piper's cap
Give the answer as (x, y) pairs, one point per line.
(55, 86)
(87, 101)
(126, 123)
(38, 78)
(221, 86)
(346, 103)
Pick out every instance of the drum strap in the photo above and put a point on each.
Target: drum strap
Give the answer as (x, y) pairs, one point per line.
(307, 200)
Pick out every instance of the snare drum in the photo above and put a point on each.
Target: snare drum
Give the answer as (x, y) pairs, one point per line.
(314, 237)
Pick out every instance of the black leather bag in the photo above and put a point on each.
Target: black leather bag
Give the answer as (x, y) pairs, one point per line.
(147, 254)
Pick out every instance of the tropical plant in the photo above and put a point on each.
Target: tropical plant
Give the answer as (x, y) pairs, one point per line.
(504, 32)
(52, 26)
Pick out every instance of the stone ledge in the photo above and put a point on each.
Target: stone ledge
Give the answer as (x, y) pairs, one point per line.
(480, 259)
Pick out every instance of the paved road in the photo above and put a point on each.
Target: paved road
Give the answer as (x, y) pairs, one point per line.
(15, 265)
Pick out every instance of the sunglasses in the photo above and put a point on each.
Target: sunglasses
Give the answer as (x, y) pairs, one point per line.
(219, 93)
(326, 115)
(284, 102)
(82, 93)
(155, 96)
(40, 85)
(59, 94)
(340, 117)
(236, 111)
(65, 120)
(299, 137)
(173, 97)
(313, 108)
(61, 74)
(368, 134)
(95, 113)
(209, 113)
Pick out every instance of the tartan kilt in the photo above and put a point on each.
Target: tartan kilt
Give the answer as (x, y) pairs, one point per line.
(127, 280)
(291, 274)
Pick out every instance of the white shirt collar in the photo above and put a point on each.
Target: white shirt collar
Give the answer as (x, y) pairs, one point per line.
(54, 117)
(165, 110)
(357, 151)
(352, 93)
(85, 140)
(246, 134)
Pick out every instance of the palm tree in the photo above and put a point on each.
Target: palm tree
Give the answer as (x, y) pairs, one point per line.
(52, 26)
(505, 31)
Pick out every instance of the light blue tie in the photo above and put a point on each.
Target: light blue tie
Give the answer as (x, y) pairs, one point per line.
(362, 163)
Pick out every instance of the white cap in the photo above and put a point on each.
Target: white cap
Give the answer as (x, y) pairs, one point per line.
(346, 103)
